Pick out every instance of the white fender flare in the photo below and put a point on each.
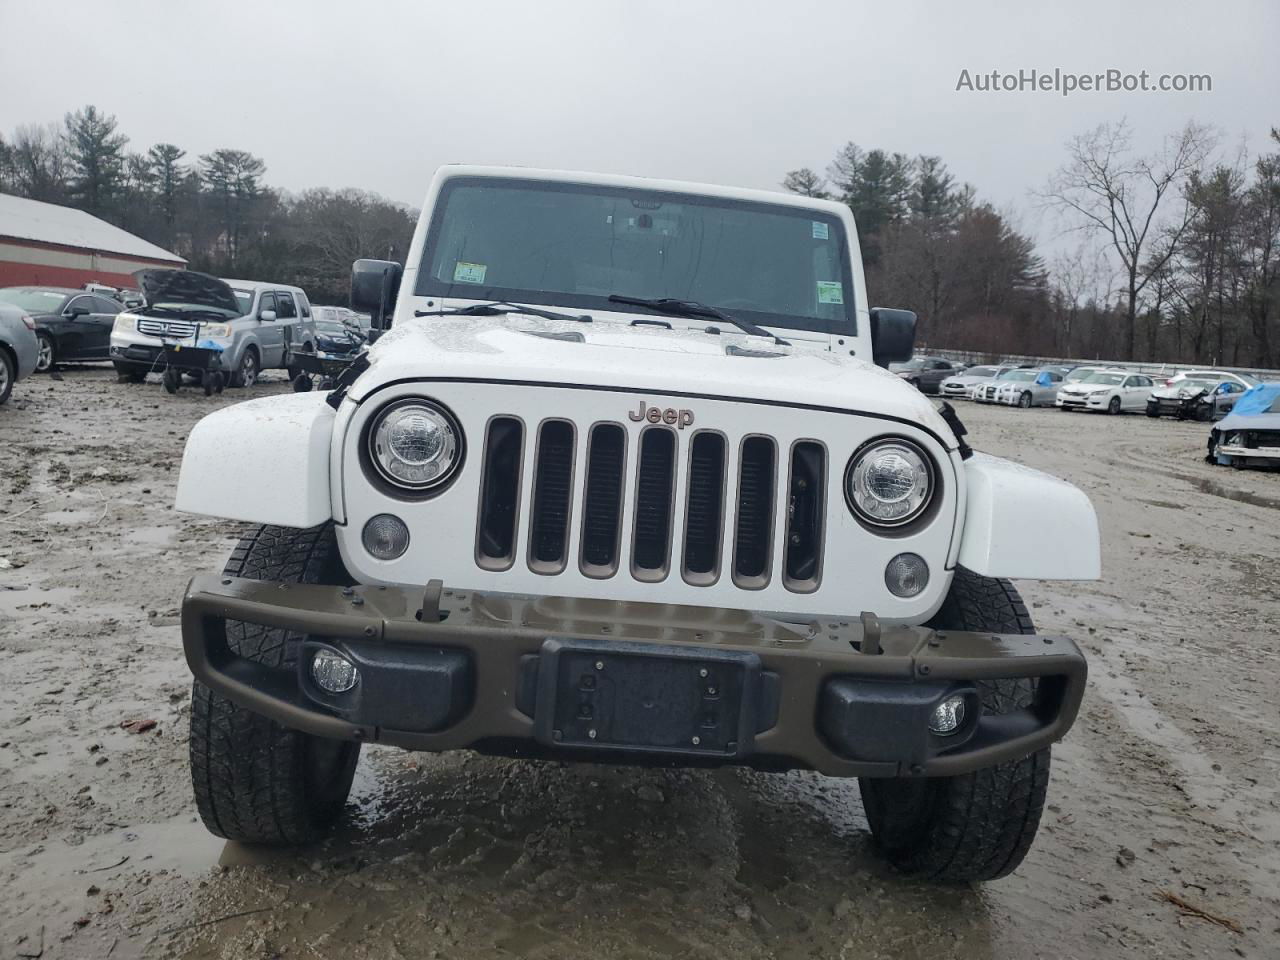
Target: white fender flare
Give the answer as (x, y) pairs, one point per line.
(261, 461)
(1024, 524)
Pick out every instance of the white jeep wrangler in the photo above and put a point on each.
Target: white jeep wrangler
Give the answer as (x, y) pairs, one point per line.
(625, 480)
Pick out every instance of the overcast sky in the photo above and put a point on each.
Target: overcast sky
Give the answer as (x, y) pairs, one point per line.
(378, 94)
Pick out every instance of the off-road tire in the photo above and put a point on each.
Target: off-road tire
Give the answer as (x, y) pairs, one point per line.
(977, 826)
(256, 781)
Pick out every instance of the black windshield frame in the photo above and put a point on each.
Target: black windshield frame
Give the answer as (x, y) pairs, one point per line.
(429, 286)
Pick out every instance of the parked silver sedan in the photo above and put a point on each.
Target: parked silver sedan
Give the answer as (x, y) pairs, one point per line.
(19, 348)
(959, 387)
(1029, 388)
(1011, 385)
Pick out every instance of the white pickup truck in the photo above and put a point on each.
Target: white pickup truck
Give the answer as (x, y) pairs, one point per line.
(624, 479)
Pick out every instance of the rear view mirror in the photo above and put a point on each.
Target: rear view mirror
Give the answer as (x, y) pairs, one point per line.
(374, 285)
(893, 335)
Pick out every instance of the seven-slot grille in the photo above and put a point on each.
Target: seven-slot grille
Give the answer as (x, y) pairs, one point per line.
(653, 502)
(166, 328)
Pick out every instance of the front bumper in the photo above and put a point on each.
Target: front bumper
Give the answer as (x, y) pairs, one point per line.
(1079, 401)
(146, 351)
(442, 670)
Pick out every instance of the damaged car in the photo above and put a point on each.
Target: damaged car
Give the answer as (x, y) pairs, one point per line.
(1249, 436)
(626, 480)
(257, 326)
(1168, 400)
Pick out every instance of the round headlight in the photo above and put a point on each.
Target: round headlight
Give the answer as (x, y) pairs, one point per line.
(889, 483)
(415, 444)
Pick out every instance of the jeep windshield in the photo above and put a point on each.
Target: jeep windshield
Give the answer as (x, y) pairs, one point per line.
(574, 245)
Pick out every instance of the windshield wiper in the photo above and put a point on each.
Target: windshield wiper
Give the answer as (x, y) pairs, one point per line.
(499, 308)
(692, 308)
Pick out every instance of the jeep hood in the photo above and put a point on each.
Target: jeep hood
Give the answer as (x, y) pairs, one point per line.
(186, 286)
(640, 360)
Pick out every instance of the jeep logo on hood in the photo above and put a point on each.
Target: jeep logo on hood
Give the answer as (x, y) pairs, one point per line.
(681, 418)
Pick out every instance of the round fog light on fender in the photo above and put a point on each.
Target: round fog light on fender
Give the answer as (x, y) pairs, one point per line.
(947, 716)
(333, 673)
(906, 575)
(385, 537)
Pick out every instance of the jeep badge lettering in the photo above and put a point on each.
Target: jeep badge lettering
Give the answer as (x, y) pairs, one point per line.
(684, 418)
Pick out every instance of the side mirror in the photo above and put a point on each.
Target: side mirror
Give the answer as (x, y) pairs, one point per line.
(374, 286)
(893, 335)
(268, 315)
(78, 311)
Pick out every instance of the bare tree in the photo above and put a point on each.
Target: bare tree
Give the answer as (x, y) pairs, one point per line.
(1105, 187)
(806, 183)
(38, 162)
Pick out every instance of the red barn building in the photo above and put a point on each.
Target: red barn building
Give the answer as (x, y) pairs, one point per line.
(48, 245)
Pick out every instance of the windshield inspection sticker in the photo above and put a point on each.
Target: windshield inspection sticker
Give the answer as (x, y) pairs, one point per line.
(819, 230)
(469, 272)
(830, 292)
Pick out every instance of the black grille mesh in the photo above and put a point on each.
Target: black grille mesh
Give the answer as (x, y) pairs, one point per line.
(552, 493)
(705, 504)
(755, 509)
(602, 500)
(653, 499)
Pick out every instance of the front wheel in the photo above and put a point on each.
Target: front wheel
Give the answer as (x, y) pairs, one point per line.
(128, 373)
(1153, 411)
(47, 356)
(1024, 401)
(976, 826)
(172, 380)
(256, 781)
(246, 374)
(1113, 407)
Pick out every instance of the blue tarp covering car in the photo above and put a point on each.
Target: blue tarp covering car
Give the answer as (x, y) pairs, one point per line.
(1250, 434)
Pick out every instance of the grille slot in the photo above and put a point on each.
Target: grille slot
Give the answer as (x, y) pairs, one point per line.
(165, 328)
(806, 510)
(552, 497)
(655, 481)
(704, 509)
(500, 494)
(753, 532)
(602, 500)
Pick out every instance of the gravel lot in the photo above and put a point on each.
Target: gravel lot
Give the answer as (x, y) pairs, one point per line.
(1167, 785)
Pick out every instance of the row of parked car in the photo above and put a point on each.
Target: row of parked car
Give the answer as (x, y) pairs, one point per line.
(1193, 394)
(251, 326)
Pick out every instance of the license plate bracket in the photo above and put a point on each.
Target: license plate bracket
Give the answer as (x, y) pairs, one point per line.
(646, 698)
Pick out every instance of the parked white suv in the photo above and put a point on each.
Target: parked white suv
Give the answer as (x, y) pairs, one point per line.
(626, 480)
(275, 320)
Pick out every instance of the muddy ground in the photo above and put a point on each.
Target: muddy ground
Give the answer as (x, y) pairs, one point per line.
(1168, 783)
